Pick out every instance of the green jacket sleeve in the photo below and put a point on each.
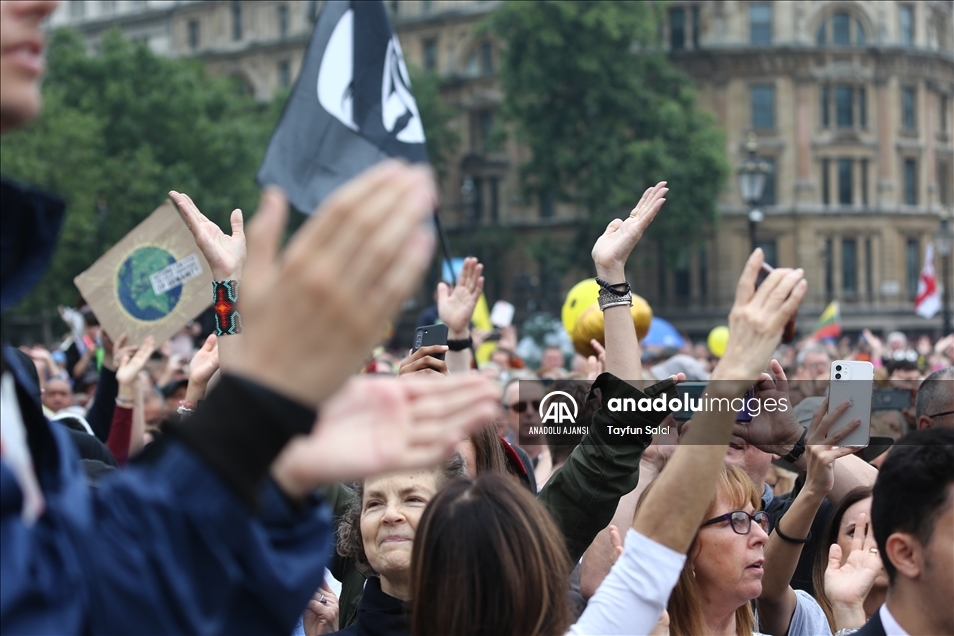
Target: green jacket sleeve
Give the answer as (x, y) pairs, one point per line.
(583, 494)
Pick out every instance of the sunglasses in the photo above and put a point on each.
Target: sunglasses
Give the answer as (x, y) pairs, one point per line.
(520, 407)
(741, 521)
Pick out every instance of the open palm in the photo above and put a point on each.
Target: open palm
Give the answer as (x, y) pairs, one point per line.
(456, 306)
(225, 254)
(614, 247)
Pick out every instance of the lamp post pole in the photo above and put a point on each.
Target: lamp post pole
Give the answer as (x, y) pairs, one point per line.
(945, 240)
(752, 174)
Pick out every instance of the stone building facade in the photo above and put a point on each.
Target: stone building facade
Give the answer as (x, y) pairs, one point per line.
(849, 101)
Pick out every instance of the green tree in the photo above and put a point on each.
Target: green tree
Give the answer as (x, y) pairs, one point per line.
(606, 115)
(441, 139)
(117, 132)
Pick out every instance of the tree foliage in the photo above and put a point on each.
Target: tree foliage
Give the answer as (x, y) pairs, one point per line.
(117, 132)
(606, 115)
(441, 139)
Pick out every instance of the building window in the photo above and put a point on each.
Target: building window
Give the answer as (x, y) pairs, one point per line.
(768, 190)
(862, 107)
(763, 107)
(844, 31)
(844, 182)
(546, 204)
(430, 54)
(283, 20)
(942, 113)
(825, 98)
(906, 16)
(908, 118)
(849, 266)
(864, 181)
(486, 58)
(760, 24)
(284, 74)
(829, 269)
(869, 269)
(77, 10)
(912, 258)
(478, 203)
(677, 29)
(844, 106)
(107, 7)
(944, 182)
(826, 182)
(682, 277)
(696, 26)
(236, 21)
(703, 272)
(193, 34)
(841, 29)
(910, 182)
(494, 199)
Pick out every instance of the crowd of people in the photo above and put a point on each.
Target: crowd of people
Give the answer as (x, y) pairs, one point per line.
(290, 477)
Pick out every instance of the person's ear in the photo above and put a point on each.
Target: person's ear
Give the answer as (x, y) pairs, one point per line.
(924, 422)
(906, 554)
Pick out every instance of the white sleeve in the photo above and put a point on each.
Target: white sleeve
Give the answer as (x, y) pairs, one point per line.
(634, 594)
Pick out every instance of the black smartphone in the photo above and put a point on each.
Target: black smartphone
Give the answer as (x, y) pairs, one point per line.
(890, 399)
(430, 335)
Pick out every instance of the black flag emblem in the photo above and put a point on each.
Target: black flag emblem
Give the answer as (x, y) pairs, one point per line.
(351, 106)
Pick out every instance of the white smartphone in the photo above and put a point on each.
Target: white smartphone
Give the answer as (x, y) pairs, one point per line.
(502, 314)
(852, 380)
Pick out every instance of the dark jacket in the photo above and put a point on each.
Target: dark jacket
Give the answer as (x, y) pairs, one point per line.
(873, 627)
(379, 614)
(190, 539)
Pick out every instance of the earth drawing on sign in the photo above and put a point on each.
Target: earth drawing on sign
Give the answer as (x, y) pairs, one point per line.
(135, 290)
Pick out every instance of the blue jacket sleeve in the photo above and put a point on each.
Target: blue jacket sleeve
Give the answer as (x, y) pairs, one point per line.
(167, 547)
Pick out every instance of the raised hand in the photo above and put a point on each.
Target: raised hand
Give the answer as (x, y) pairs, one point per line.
(132, 363)
(225, 254)
(757, 319)
(379, 425)
(312, 314)
(456, 306)
(613, 248)
(847, 585)
(203, 366)
(772, 430)
(821, 447)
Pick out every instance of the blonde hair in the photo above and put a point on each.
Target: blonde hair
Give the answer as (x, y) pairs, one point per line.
(686, 613)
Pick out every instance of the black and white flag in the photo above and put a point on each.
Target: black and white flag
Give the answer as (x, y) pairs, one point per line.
(351, 106)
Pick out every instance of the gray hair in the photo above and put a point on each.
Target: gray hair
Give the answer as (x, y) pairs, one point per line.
(934, 393)
(815, 348)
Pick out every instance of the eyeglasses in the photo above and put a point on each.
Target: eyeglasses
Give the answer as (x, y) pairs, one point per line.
(941, 414)
(520, 407)
(741, 521)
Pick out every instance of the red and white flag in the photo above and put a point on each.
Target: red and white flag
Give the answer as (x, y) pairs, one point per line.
(928, 301)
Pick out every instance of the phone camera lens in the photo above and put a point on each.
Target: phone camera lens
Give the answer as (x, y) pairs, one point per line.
(838, 368)
(837, 376)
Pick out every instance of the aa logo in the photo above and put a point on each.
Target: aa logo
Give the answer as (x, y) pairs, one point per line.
(558, 411)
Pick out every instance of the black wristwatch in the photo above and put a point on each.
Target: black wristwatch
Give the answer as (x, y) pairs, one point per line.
(460, 345)
(798, 450)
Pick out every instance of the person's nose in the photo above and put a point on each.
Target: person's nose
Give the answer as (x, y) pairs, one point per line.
(393, 514)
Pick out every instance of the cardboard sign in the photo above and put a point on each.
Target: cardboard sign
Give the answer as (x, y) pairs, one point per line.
(152, 282)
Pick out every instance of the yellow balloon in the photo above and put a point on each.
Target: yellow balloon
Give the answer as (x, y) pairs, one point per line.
(589, 325)
(717, 340)
(583, 294)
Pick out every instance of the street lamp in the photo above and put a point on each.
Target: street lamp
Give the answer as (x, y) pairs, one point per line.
(752, 174)
(945, 239)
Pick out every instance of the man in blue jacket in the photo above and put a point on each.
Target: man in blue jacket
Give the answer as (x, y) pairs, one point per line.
(195, 537)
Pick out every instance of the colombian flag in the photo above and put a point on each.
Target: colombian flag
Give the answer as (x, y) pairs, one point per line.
(829, 323)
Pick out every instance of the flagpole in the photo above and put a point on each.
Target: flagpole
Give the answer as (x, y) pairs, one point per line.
(445, 248)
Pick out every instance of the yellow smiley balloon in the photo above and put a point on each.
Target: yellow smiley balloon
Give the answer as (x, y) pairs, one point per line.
(717, 340)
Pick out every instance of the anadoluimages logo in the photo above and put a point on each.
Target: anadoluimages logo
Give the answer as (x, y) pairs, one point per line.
(558, 412)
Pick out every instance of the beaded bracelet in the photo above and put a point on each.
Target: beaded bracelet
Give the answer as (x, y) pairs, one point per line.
(228, 321)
